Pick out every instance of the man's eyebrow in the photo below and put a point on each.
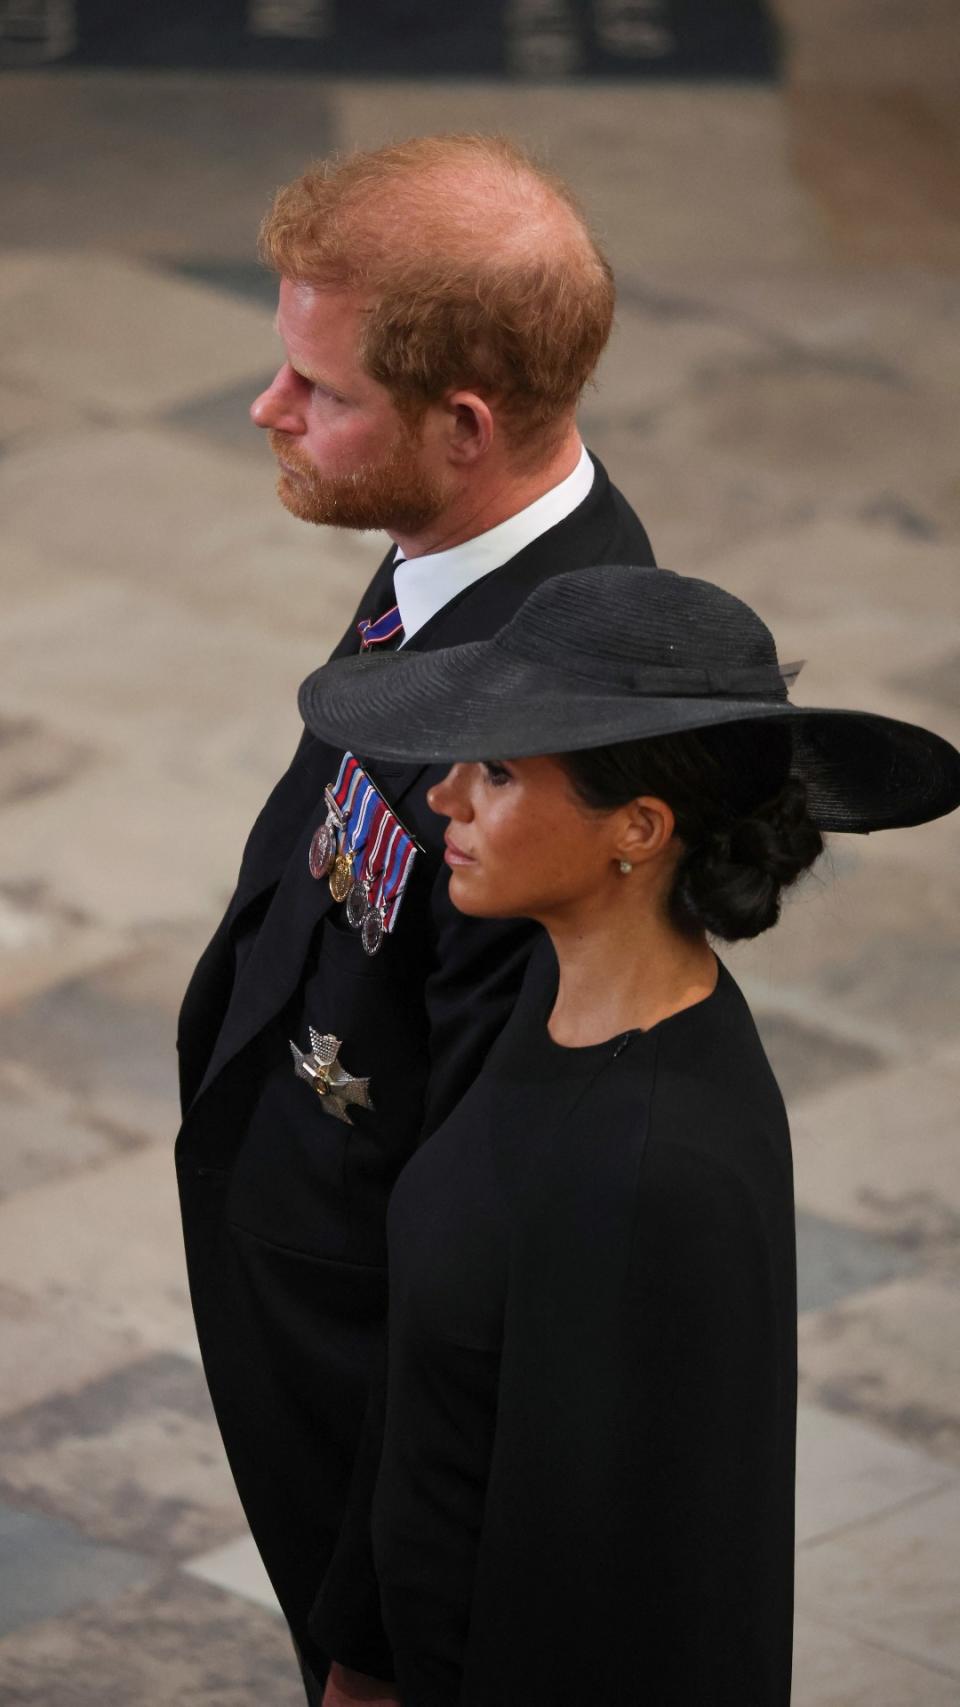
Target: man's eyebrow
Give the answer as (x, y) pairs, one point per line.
(315, 378)
(306, 373)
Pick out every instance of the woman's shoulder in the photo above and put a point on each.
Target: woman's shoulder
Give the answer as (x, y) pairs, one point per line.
(715, 1047)
(714, 1092)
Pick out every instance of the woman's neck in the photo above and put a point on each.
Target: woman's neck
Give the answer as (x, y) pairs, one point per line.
(623, 968)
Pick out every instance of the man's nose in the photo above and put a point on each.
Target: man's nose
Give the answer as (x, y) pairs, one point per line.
(279, 407)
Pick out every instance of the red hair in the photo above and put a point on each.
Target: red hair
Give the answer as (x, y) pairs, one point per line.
(477, 268)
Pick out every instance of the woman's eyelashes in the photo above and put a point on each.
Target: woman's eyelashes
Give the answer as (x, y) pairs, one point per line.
(495, 773)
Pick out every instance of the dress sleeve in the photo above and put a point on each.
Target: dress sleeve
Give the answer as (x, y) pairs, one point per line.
(637, 1543)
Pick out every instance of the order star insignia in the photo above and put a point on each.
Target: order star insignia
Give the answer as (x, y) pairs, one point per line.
(329, 1078)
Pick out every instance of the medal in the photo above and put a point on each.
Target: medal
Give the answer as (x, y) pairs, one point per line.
(372, 928)
(365, 853)
(325, 1074)
(323, 842)
(341, 872)
(382, 913)
(358, 902)
(323, 846)
(371, 931)
(341, 877)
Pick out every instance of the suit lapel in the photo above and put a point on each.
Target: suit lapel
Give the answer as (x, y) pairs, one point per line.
(271, 972)
(272, 969)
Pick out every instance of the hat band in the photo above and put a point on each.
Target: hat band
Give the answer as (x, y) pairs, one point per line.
(670, 681)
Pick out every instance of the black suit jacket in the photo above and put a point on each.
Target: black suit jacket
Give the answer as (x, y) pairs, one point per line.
(284, 1207)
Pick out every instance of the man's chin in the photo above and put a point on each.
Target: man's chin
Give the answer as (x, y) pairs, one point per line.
(399, 501)
(307, 507)
(297, 500)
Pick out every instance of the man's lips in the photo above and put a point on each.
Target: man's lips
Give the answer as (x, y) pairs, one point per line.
(285, 462)
(455, 855)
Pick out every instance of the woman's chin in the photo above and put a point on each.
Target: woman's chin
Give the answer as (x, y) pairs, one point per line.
(477, 899)
(468, 897)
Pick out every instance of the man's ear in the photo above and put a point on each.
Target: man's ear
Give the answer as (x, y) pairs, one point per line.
(470, 426)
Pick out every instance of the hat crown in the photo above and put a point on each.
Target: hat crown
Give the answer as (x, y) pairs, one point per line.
(665, 626)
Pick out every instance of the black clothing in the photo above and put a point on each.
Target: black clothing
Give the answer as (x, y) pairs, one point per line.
(283, 1206)
(586, 1485)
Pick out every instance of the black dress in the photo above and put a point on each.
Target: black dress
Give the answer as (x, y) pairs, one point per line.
(586, 1484)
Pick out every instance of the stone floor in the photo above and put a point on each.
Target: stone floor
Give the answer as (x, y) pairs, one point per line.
(780, 405)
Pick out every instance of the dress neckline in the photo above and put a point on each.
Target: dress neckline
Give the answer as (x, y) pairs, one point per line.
(589, 1055)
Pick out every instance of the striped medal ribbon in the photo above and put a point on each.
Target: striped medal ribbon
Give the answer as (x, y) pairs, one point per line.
(381, 916)
(358, 899)
(359, 808)
(365, 851)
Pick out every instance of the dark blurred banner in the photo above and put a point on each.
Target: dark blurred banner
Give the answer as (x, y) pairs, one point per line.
(549, 39)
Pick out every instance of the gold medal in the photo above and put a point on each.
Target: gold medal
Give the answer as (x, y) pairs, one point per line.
(341, 877)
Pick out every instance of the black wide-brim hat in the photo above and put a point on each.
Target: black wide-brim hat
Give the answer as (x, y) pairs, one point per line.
(616, 653)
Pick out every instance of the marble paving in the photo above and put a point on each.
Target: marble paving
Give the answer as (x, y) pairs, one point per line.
(780, 406)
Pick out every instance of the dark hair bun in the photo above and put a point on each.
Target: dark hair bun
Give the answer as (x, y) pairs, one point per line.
(731, 883)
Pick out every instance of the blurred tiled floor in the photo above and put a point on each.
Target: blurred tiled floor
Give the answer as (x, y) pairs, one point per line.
(780, 405)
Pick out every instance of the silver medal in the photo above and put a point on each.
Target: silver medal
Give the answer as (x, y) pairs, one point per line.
(372, 931)
(357, 903)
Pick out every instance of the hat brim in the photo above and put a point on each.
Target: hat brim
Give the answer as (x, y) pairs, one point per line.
(479, 701)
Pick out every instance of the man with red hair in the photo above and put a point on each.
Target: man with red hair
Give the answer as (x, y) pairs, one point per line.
(442, 304)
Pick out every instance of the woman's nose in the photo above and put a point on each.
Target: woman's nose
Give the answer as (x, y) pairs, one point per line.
(448, 796)
(279, 407)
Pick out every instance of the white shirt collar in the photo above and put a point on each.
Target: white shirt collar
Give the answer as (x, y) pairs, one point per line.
(423, 585)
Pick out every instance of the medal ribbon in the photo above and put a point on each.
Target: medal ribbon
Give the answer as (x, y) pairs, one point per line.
(397, 880)
(380, 849)
(379, 825)
(396, 832)
(393, 879)
(374, 631)
(348, 759)
(358, 838)
(345, 786)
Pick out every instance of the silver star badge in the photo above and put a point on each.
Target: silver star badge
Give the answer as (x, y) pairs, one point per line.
(329, 1079)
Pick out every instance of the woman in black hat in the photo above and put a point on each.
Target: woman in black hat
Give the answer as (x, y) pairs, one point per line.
(586, 1485)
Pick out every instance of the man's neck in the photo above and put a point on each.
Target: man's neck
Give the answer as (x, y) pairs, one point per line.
(476, 511)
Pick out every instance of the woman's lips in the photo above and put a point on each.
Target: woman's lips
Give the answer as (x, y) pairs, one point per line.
(455, 855)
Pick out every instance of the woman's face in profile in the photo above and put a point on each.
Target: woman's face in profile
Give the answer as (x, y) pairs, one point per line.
(520, 844)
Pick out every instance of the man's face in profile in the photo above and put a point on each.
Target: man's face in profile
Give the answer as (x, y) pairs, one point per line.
(346, 455)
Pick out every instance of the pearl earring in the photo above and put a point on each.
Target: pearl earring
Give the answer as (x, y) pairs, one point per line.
(625, 866)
